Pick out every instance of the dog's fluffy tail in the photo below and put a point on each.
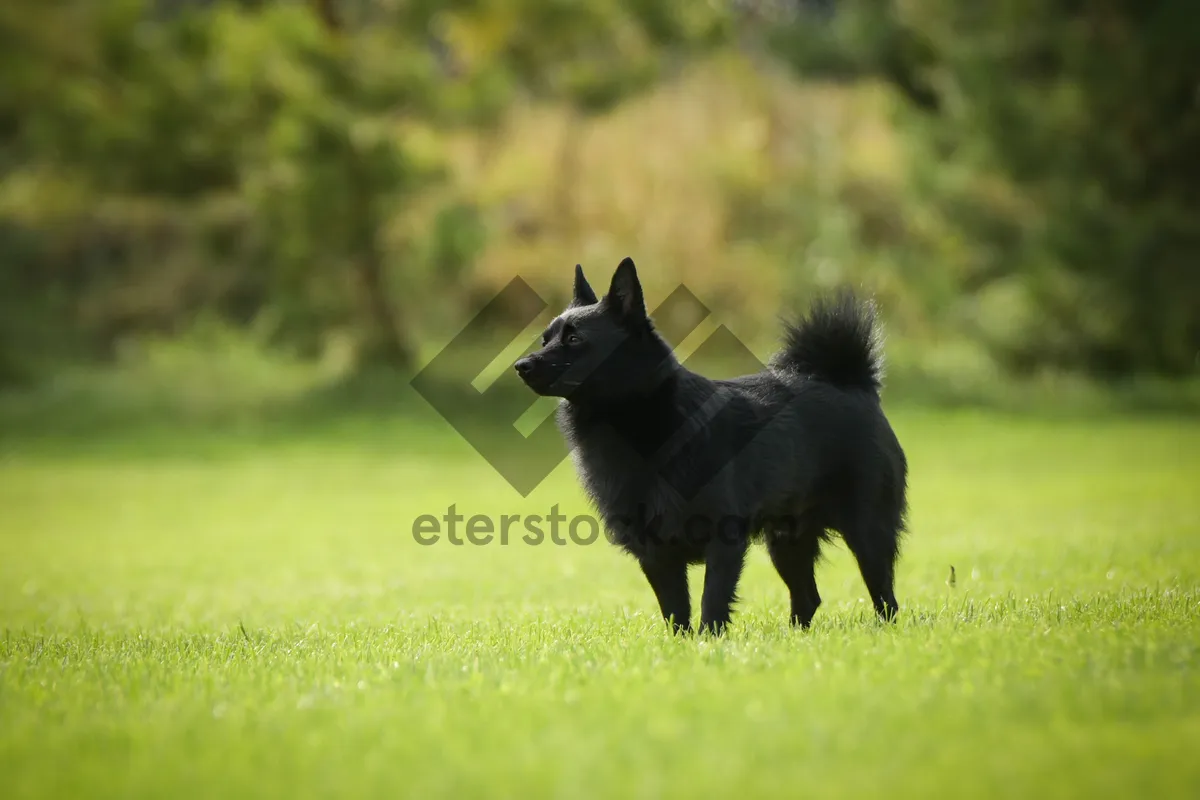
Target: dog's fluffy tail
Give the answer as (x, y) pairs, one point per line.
(838, 343)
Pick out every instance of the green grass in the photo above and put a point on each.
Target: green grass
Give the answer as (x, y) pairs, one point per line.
(257, 620)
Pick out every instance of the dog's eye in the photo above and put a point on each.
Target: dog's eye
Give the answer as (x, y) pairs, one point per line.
(574, 338)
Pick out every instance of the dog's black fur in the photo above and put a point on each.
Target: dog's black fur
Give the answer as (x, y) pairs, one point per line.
(687, 470)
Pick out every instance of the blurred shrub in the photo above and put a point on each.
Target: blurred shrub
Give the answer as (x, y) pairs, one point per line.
(1015, 183)
(1063, 138)
(160, 159)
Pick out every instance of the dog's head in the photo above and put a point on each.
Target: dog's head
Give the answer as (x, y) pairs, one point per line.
(599, 349)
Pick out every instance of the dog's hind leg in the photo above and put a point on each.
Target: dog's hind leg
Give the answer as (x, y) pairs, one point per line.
(876, 547)
(722, 570)
(794, 555)
(667, 573)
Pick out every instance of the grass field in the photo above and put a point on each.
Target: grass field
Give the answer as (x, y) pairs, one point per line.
(255, 619)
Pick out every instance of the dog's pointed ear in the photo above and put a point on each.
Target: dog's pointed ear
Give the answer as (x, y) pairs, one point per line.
(584, 296)
(625, 292)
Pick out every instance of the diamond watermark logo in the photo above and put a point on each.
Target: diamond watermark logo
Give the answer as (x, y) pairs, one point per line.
(487, 419)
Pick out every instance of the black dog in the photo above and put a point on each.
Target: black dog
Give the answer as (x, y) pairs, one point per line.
(684, 469)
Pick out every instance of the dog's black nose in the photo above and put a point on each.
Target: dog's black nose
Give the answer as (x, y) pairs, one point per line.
(524, 366)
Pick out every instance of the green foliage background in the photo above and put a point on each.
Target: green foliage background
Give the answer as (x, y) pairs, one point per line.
(344, 181)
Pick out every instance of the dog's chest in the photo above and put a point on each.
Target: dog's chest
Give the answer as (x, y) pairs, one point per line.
(611, 477)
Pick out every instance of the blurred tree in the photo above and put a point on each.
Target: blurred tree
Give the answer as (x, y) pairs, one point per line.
(242, 157)
(162, 157)
(278, 159)
(1092, 111)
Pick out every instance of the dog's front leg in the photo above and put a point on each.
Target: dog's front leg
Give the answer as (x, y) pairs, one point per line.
(667, 573)
(722, 570)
